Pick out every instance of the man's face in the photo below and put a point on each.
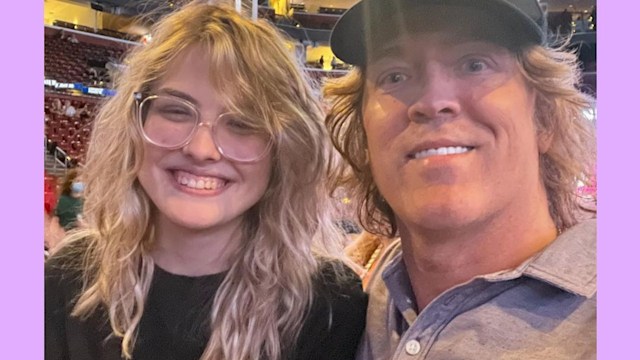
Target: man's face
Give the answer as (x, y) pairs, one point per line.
(450, 131)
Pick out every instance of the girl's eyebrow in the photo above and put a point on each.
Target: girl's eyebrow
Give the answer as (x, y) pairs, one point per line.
(178, 93)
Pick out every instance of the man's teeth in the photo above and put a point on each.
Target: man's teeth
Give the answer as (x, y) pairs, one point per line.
(200, 182)
(449, 150)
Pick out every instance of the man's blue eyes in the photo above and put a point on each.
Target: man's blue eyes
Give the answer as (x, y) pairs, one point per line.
(465, 66)
(475, 65)
(394, 78)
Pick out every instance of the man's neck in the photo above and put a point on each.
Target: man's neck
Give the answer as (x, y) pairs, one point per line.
(438, 260)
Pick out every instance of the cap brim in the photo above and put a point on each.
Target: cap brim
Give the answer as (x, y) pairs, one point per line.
(349, 38)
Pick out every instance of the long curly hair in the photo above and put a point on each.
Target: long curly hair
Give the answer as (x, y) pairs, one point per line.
(553, 73)
(258, 310)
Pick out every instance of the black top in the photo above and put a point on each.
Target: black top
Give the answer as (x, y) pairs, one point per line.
(176, 318)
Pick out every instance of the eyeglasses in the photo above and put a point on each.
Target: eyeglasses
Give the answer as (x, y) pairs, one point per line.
(171, 122)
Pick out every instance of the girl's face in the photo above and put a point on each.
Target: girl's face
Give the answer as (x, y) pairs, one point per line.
(194, 188)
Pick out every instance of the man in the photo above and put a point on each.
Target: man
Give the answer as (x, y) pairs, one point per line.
(465, 134)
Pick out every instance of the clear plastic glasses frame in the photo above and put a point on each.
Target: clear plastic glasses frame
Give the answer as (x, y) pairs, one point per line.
(171, 122)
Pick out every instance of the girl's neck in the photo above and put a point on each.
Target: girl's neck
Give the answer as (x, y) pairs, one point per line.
(194, 252)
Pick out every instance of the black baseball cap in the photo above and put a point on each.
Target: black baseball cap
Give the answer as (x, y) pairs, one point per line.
(370, 23)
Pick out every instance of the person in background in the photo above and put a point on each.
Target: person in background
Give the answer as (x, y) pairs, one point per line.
(582, 24)
(53, 234)
(207, 231)
(466, 135)
(334, 63)
(50, 190)
(69, 110)
(56, 107)
(85, 111)
(70, 202)
(565, 20)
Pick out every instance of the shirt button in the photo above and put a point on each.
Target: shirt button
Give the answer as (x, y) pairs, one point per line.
(412, 347)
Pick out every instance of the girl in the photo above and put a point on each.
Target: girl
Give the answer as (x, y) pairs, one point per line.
(206, 233)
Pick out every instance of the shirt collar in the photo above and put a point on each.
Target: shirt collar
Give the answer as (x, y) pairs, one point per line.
(569, 262)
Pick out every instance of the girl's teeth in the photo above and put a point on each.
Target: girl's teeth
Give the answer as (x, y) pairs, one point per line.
(199, 183)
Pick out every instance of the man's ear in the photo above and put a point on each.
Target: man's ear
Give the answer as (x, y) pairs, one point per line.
(545, 139)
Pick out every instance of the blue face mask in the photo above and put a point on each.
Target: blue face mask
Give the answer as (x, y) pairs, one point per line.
(77, 187)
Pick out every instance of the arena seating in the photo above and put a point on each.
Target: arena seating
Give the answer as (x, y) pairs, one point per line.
(77, 62)
(70, 133)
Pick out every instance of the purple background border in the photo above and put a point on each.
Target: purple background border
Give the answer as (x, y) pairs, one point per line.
(618, 176)
(22, 180)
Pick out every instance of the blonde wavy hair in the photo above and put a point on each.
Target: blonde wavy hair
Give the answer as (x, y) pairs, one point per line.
(553, 73)
(260, 306)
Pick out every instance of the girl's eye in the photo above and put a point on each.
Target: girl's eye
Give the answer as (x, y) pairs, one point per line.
(235, 123)
(175, 110)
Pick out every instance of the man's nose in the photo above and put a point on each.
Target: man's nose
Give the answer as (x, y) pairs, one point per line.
(437, 98)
